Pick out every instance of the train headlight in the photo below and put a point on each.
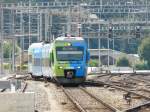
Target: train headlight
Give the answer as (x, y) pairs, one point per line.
(67, 44)
(78, 67)
(60, 67)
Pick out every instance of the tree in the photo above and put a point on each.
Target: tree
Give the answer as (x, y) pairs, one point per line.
(7, 46)
(144, 50)
(93, 63)
(141, 65)
(123, 61)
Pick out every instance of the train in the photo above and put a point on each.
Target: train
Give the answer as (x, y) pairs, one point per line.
(65, 60)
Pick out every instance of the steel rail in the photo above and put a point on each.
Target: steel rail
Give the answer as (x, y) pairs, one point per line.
(141, 80)
(132, 109)
(24, 87)
(147, 90)
(3, 90)
(121, 88)
(80, 108)
(101, 100)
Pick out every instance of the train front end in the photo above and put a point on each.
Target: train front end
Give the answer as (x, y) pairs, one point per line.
(71, 58)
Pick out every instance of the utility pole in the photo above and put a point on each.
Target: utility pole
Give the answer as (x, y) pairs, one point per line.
(69, 21)
(21, 39)
(108, 47)
(50, 28)
(29, 23)
(99, 48)
(108, 41)
(113, 49)
(46, 24)
(13, 40)
(1, 35)
(40, 25)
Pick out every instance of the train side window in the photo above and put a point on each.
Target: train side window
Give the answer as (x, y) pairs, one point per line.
(37, 62)
(30, 58)
(43, 62)
(46, 62)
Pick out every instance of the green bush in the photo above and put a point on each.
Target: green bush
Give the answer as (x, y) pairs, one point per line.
(6, 66)
(8, 49)
(93, 63)
(123, 62)
(144, 50)
(24, 67)
(141, 66)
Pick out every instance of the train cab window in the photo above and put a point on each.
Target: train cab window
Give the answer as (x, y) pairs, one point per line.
(69, 53)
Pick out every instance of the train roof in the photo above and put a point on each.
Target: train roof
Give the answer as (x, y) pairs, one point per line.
(36, 45)
(69, 39)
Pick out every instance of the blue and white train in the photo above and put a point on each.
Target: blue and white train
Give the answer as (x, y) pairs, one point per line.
(64, 60)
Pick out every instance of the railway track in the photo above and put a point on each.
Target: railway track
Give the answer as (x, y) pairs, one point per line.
(123, 89)
(140, 80)
(141, 90)
(87, 102)
(130, 84)
(3, 90)
(134, 108)
(24, 87)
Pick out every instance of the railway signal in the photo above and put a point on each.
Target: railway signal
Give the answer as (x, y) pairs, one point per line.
(138, 32)
(110, 34)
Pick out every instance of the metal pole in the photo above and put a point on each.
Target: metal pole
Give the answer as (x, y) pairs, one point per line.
(113, 50)
(38, 25)
(41, 27)
(147, 11)
(79, 24)
(113, 46)
(29, 24)
(50, 28)
(20, 39)
(13, 51)
(109, 36)
(45, 20)
(46, 25)
(88, 43)
(108, 51)
(69, 21)
(99, 48)
(108, 48)
(1, 9)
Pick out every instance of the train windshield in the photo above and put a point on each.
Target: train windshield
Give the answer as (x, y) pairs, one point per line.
(69, 53)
